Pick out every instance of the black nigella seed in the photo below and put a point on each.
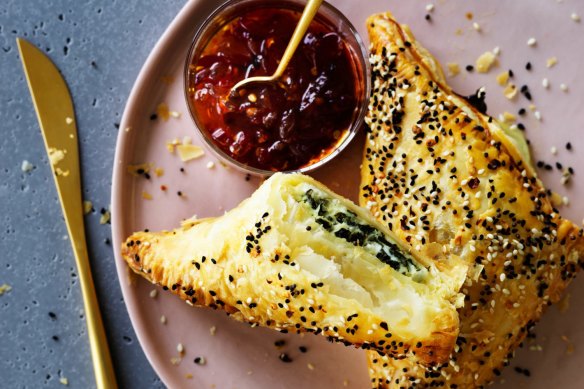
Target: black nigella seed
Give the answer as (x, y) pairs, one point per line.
(106, 241)
(302, 349)
(568, 146)
(559, 166)
(52, 315)
(428, 17)
(571, 170)
(199, 360)
(285, 358)
(522, 111)
(55, 338)
(528, 66)
(153, 116)
(280, 343)
(469, 68)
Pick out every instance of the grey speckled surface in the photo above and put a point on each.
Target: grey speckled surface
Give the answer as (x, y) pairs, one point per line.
(35, 259)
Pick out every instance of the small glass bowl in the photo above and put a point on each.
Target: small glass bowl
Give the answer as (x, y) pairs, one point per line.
(327, 14)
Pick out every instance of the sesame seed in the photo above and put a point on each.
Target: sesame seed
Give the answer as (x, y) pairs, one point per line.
(537, 115)
(180, 348)
(476, 26)
(554, 150)
(153, 293)
(430, 7)
(575, 17)
(531, 42)
(564, 87)
(163, 319)
(545, 83)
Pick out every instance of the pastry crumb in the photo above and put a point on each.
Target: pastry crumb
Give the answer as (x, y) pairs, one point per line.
(87, 207)
(175, 360)
(485, 62)
(213, 330)
(510, 91)
(162, 111)
(569, 345)
(551, 62)
(146, 195)
(188, 152)
(5, 288)
(310, 366)
(345, 382)
(564, 303)
(503, 78)
(453, 69)
(64, 381)
(105, 216)
(159, 172)
(26, 166)
(188, 376)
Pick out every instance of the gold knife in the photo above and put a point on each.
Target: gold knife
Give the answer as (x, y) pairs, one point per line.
(56, 117)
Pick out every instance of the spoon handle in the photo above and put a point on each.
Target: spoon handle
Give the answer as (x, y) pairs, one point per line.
(307, 15)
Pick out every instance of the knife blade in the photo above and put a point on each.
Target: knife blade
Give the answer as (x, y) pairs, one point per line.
(54, 109)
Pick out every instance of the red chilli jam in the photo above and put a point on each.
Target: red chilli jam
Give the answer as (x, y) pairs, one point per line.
(284, 125)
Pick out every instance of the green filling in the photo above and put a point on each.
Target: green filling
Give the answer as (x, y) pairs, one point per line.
(345, 224)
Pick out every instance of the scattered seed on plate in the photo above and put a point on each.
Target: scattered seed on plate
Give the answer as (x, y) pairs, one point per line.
(568, 146)
(210, 165)
(285, 358)
(537, 115)
(476, 26)
(497, 50)
(302, 349)
(531, 42)
(310, 366)
(180, 348)
(575, 17)
(564, 87)
(453, 69)
(554, 150)
(163, 319)
(528, 66)
(153, 293)
(200, 361)
(213, 330)
(429, 7)
(545, 83)
(64, 381)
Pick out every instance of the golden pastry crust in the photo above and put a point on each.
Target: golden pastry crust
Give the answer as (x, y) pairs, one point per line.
(444, 177)
(295, 257)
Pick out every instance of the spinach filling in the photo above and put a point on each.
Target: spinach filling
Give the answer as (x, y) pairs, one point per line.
(345, 224)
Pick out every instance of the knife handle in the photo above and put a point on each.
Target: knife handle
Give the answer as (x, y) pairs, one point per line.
(105, 377)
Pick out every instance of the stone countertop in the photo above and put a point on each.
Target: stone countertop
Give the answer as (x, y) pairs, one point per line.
(100, 47)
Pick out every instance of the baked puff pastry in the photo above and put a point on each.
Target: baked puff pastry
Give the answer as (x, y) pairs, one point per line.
(446, 178)
(296, 257)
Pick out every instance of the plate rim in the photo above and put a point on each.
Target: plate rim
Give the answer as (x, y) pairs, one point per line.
(118, 180)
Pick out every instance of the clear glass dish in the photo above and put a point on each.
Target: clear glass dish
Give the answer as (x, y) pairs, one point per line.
(328, 15)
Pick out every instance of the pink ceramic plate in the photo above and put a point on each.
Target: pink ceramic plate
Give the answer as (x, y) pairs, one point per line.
(238, 356)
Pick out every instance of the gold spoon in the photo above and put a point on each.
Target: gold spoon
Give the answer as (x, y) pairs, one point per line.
(307, 15)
